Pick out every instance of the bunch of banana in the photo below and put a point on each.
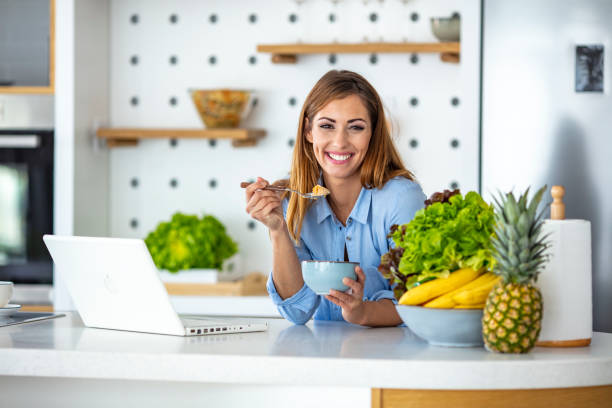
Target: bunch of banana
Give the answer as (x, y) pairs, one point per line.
(462, 289)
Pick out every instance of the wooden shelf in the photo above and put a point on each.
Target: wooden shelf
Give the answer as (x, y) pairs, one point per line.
(254, 284)
(30, 90)
(287, 53)
(119, 137)
(36, 308)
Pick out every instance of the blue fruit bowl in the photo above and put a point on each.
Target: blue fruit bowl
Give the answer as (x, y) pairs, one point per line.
(322, 276)
(444, 327)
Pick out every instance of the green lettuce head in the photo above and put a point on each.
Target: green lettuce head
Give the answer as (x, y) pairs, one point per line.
(187, 242)
(441, 238)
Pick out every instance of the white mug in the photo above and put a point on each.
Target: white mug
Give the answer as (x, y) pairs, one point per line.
(6, 291)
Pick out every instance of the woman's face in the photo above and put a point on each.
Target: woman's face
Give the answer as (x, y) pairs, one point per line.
(340, 134)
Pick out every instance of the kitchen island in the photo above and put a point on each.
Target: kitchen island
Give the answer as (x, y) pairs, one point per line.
(60, 362)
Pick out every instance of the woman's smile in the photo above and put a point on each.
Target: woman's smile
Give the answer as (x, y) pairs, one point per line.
(338, 158)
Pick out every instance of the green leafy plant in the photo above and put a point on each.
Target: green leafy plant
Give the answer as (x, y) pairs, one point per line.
(187, 242)
(449, 234)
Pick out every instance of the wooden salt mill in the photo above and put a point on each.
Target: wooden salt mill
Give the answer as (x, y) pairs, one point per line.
(557, 207)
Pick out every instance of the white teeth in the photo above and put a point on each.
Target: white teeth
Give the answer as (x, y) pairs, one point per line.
(339, 157)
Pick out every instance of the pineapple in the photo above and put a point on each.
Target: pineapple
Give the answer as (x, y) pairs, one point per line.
(513, 311)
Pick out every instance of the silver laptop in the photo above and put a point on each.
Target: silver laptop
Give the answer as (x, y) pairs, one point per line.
(114, 284)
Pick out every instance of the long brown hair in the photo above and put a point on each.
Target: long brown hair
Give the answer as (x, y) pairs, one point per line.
(381, 163)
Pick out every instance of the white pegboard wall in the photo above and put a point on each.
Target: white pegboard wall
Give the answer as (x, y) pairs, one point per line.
(159, 49)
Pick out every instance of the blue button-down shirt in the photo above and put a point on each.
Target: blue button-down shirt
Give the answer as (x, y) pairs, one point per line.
(323, 237)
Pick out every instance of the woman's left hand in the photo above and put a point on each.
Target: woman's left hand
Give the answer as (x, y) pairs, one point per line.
(351, 302)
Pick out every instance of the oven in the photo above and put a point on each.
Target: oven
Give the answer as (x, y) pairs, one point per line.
(26, 205)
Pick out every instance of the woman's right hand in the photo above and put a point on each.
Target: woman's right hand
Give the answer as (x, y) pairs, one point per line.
(264, 205)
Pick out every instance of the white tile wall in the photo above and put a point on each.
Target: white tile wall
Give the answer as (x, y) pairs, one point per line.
(141, 192)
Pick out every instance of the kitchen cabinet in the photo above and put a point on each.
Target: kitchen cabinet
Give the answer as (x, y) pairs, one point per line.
(584, 397)
(27, 46)
(317, 364)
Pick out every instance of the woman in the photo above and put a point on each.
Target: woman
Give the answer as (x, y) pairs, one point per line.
(343, 143)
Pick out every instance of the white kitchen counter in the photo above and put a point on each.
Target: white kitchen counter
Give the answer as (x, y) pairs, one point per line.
(318, 354)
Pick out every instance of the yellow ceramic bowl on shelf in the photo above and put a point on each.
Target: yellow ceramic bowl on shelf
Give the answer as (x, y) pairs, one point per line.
(222, 108)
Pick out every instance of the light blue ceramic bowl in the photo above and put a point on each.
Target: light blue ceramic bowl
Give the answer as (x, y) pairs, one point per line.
(444, 327)
(321, 276)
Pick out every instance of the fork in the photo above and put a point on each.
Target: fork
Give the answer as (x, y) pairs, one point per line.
(310, 196)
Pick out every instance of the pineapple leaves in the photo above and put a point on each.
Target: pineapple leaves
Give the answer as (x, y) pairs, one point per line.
(522, 225)
(523, 200)
(535, 201)
(519, 249)
(499, 208)
(510, 209)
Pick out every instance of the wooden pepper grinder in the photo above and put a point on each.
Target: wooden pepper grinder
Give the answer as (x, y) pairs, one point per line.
(557, 207)
(565, 281)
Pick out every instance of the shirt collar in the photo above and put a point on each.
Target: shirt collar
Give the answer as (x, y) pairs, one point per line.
(323, 209)
(360, 211)
(362, 206)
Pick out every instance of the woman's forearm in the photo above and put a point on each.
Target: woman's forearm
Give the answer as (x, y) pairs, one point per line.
(380, 313)
(287, 272)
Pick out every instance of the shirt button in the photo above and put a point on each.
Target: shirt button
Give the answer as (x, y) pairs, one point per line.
(350, 220)
(348, 238)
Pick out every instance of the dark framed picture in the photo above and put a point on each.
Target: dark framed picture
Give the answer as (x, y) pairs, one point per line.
(589, 68)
